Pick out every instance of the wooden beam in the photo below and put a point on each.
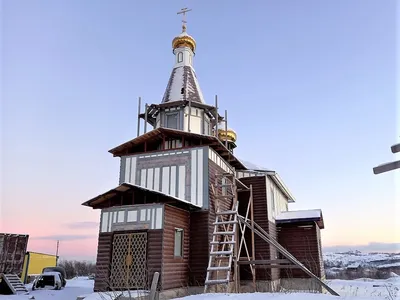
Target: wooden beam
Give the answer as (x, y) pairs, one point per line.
(395, 148)
(253, 244)
(277, 267)
(216, 116)
(245, 261)
(387, 167)
(272, 242)
(226, 128)
(145, 118)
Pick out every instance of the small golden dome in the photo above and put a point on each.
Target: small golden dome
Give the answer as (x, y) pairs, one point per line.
(184, 40)
(229, 135)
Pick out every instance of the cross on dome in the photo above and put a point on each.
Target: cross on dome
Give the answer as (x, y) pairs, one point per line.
(183, 12)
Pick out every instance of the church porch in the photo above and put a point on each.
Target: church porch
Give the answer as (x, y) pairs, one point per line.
(141, 232)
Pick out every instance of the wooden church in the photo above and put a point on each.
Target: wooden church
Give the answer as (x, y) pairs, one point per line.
(188, 208)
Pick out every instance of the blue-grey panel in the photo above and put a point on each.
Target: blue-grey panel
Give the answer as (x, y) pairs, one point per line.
(122, 170)
(206, 197)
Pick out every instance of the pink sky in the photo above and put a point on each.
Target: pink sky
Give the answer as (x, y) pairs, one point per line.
(323, 85)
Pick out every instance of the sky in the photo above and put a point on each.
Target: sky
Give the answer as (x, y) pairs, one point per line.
(310, 89)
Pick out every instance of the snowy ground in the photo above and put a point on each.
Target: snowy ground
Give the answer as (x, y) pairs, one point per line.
(360, 289)
(74, 288)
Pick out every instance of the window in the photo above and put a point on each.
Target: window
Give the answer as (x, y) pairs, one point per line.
(190, 59)
(273, 201)
(172, 120)
(180, 57)
(206, 127)
(224, 186)
(178, 246)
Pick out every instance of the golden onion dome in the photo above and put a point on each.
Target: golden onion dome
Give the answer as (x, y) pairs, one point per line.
(229, 134)
(184, 40)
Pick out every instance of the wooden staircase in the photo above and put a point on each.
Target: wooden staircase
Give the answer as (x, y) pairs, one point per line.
(14, 283)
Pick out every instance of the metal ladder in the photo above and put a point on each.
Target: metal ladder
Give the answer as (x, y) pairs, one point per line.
(223, 238)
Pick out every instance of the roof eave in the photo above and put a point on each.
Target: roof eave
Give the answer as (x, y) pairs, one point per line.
(124, 187)
(278, 180)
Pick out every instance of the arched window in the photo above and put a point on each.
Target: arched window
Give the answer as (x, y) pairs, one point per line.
(190, 59)
(180, 57)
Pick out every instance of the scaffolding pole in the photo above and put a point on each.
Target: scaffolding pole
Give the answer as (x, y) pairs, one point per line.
(138, 118)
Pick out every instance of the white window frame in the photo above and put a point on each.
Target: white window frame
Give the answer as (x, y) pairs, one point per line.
(180, 57)
(182, 233)
(273, 202)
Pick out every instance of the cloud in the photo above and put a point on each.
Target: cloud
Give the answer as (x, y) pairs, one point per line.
(370, 247)
(64, 237)
(82, 225)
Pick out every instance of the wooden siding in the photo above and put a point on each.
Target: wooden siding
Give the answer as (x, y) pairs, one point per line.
(175, 270)
(104, 254)
(303, 243)
(104, 248)
(154, 254)
(274, 254)
(199, 247)
(201, 229)
(262, 249)
(224, 204)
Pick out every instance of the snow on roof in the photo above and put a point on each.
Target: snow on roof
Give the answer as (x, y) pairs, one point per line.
(254, 167)
(183, 77)
(300, 214)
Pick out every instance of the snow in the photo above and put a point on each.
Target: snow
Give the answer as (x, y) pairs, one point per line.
(391, 265)
(350, 258)
(299, 214)
(176, 85)
(254, 167)
(366, 287)
(74, 288)
(115, 295)
(360, 289)
(196, 82)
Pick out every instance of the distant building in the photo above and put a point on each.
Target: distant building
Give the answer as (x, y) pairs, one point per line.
(34, 263)
(175, 180)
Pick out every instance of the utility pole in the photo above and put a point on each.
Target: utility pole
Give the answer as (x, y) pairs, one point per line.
(58, 244)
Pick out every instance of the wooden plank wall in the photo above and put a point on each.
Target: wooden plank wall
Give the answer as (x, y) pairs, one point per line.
(104, 254)
(199, 247)
(224, 204)
(263, 250)
(175, 269)
(104, 248)
(154, 254)
(303, 243)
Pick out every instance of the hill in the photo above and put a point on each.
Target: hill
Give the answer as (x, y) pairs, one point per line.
(355, 264)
